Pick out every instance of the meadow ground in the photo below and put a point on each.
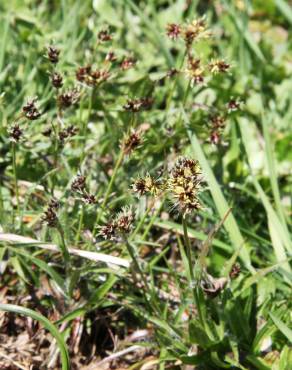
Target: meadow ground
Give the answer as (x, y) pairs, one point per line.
(145, 184)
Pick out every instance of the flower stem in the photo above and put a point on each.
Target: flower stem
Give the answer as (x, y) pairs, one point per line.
(110, 185)
(188, 247)
(15, 176)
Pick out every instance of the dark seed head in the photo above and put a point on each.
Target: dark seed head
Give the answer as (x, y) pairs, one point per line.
(78, 184)
(15, 133)
(173, 30)
(53, 54)
(57, 80)
(104, 36)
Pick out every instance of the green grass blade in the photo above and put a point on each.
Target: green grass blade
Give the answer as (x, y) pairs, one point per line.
(284, 7)
(219, 199)
(282, 327)
(47, 324)
(269, 152)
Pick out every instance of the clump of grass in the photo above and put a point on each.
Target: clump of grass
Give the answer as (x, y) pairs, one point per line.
(103, 161)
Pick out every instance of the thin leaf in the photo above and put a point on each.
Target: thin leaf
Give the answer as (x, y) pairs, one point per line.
(282, 327)
(47, 324)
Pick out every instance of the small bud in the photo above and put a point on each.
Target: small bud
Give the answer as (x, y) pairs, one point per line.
(68, 98)
(136, 105)
(78, 184)
(235, 271)
(53, 54)
(131, 142)
(57, 80)
(173, 31)
(30, 110)
(233, 105)
(104, 36)
(218, 66)
(128, 63)
(15, 133)
(108, 231)
(110, 57)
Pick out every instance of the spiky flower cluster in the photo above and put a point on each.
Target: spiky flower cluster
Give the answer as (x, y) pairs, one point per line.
(131, 142)
(66, 133)
(196, 70)
(78, 186)
(92, 77)
(120, 226)
(15, 133)
(147, 185)
(183, 184)
(68, 98)
(50, 214)
(136, 105)
(30, 110)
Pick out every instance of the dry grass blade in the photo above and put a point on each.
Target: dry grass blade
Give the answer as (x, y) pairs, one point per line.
(93, 256)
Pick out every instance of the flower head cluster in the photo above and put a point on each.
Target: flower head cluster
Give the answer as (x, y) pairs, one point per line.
(104, 35)
(68, 98)
(50, 214)
(190, 32)
(128, 63)
(136, 105)
(131, 142)
(79, 186)
(15, 133)
(53, 54)
(120, 226)
(195, 71)
(66, 133)
(184, 184)
(147, 185)
(30, 110)
(218, 66)
(217, 126)
(91, 77)
(57, 80)
(173, 30)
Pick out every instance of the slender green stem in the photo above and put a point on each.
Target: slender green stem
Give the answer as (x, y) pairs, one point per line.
(188, 246)
(152, 220)
(15, 177)
(80, 224)
(63, 247)
(110, 185)
(142, 220)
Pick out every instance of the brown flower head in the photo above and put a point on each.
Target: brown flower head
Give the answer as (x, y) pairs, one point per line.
(68, 98)
(79, 184)
(136, 105)
(184, 185)
(108, 231)
(235, 271)
(57, 80)
(195, 30)
(194, 71)
(128, 63)
(30, 110)
(82, 73)
(124, 220)
(131, 142)
(15, 133)
(218, 66)
(104, 36)
(50, 216)
(67, 133)
(173, 31)
(110, 57)
(147, 184)
(53, 54)
(233, 105)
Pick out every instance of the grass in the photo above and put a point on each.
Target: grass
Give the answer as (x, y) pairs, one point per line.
(113, 248)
